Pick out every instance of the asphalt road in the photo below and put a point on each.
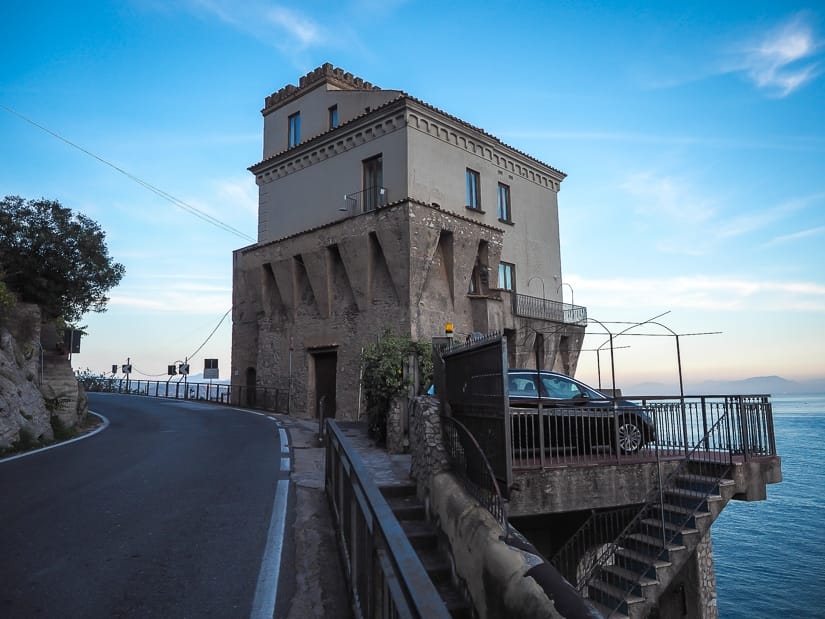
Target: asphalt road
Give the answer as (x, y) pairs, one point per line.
(166, 513)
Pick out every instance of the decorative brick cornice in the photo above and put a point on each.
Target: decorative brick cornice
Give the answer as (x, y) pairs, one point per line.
(326, 73)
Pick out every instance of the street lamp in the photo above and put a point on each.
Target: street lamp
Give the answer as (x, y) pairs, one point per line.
(543, 296)
(562, 294)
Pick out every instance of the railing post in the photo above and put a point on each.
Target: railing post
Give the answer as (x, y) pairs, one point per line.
(743, 423)
(705, 424)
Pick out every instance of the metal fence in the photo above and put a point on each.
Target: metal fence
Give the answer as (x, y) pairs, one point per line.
(544, 437)
(475, 393)
(467, 460)
(386, 577)
(366, 200)
(545, 309)
(275, 399)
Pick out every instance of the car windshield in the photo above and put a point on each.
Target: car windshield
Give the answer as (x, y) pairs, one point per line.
(552, 386)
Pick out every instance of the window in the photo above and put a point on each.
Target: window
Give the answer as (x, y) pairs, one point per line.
(506, 276)
(504, 203)
(294, 129)
(373, 183)
(333, 117)
(473, 190)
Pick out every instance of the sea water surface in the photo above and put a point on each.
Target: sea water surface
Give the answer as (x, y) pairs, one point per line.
(770, 555)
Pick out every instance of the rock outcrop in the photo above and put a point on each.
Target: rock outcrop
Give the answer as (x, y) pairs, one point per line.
(38, 389)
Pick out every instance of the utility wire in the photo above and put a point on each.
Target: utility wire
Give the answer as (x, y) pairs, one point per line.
(159, 192)
(145, 374)
(211, 334)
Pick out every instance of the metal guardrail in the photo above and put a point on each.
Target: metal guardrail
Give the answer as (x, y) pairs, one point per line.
(273, 399)
(366, 200)
(545, 437)
(385, 575)
(468, 462)
(545, 309)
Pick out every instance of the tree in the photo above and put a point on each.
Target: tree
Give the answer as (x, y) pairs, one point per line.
(55, 258)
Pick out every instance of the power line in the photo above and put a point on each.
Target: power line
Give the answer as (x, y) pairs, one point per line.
(146, 185)
(211, 334)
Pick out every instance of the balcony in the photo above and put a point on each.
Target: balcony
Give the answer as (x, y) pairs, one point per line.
(368, 199)
(544, 309)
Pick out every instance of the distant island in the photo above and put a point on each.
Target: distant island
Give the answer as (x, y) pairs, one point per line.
(772, 385)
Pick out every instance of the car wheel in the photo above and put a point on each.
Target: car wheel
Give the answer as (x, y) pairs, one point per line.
(630, 435)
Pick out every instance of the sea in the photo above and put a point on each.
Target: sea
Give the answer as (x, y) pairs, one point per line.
(770, 555)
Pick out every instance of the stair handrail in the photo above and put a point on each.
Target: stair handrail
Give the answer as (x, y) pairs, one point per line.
(489, 497)
(652, 499)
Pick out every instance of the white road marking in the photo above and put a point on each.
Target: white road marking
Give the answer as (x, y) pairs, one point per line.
(266, 591)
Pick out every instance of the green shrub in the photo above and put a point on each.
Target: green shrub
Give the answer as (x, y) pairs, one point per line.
(383, 376)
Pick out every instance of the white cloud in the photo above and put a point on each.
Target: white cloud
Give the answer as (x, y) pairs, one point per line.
(782, 60)
(239, 193)
(669, 197)
(795, 236)
(297, 26)
(289, 30)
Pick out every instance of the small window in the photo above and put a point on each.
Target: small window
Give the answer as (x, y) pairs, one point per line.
(473, 190)
(504, 213)
(295, 129)
(333, 117)
(506, 276)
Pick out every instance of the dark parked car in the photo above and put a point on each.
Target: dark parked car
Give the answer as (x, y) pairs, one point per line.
(580, 417)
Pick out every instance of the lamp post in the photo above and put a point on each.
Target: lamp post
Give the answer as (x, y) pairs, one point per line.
(572, 302)
(543, 296)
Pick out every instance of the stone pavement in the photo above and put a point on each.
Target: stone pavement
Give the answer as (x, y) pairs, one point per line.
(320, 587)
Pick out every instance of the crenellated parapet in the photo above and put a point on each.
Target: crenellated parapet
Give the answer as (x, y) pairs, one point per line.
(326, 73)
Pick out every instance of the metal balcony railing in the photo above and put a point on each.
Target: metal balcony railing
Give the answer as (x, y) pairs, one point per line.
(368, 199)
(544, 309)
(553, 436)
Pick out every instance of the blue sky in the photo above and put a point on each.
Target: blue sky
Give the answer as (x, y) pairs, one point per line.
(693, 136)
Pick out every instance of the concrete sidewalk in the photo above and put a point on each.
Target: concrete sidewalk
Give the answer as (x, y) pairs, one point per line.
(319, 586)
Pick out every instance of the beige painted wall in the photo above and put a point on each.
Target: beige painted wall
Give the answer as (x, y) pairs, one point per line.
(312, 196)
(314, 108)
(437, 173)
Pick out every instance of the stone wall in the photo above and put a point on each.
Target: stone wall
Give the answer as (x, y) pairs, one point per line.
(405, 268)
(35, 384)
(427, 454)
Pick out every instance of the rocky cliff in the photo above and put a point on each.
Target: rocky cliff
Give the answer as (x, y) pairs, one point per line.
(38, 391)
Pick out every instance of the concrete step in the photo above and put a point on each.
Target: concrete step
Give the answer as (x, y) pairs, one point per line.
(458, 607)
(407, 507)
(606, 612)
(639, 562)
(436, 564)
(626, 580)
(422, 534)
(674, 532)
(684, 516)
(694, 499)
(612, 597)
(649, 545)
